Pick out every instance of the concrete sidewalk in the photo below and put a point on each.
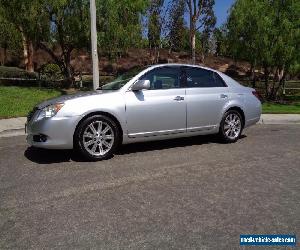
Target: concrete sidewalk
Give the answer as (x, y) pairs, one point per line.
(280, 119)
(12, 126)
(15, 126)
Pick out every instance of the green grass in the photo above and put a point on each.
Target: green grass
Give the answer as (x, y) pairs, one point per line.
(18, 101)
(290, 105)
(274, 108)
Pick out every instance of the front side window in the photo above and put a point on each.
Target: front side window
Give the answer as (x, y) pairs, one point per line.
(202, 78)
(163, 78)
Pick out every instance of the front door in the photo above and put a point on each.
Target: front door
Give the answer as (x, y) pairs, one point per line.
(161, 110)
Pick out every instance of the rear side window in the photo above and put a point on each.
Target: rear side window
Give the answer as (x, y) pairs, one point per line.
(163, 78)
(202, 78)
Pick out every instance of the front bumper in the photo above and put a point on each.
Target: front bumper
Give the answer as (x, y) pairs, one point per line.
(56, 132)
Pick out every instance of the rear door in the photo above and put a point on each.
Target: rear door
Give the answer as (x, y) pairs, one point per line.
(206, 95)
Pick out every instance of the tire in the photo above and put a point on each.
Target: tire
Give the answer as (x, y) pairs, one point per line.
(97, 137)
(231, 126)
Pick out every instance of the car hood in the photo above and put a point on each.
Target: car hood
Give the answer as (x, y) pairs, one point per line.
(67, 97)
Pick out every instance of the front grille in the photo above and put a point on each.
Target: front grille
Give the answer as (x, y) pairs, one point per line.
(31, 114)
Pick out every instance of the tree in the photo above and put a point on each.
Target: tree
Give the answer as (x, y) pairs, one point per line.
(209, 21)
(176, 26)
(266, 33)
(9, 39)
(243, 25)
(220, 41)
(200, 13)
(156, 24)
(119, 25)
(67, 26)
(24, 16)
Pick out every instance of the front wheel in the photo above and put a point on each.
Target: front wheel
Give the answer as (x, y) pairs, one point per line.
(97, 137)
(231, 126)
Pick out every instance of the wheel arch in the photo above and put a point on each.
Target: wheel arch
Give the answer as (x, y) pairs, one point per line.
(241, 111)
(109, 115)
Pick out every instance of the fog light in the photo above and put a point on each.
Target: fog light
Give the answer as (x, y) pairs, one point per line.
(40, 138)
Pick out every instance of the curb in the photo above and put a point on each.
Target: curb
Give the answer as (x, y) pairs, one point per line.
(279, 119)
(12, 132)
(12, 127)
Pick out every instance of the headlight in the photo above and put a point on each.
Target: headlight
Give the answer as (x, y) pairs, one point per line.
(50, 111)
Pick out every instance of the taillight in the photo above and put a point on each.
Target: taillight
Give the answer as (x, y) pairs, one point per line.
(257, 95)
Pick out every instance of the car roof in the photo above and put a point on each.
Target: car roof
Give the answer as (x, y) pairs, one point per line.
(182, 65)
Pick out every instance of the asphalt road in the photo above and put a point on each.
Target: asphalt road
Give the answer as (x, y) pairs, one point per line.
(190, 193)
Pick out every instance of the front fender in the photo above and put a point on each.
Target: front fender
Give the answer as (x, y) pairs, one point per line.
(112, 104)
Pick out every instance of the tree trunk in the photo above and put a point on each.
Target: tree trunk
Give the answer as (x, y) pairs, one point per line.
(27, 51)
(279, 74)
(195, 10)
(30, 65)
(193, 46)
(281, 82)
(4, 54)
(68, 72)
(202, 57)
(192, 36)
(266, 76)
(252, 75)
(157, 55)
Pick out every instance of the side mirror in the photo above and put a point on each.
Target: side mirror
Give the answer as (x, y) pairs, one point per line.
(140, 85)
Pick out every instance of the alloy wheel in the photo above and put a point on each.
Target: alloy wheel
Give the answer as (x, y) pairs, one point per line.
(98, 138)
(232, 126)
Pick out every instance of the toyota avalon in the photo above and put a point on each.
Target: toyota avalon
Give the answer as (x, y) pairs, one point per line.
(160, 102)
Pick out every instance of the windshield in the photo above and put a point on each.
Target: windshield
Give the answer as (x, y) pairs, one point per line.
(121, 80)
(114, 85)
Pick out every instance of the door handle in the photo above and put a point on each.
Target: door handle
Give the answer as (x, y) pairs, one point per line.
(223, 96)
(179, 98)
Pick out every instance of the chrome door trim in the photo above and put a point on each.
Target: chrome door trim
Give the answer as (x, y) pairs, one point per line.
(202, 128)
(157, 133)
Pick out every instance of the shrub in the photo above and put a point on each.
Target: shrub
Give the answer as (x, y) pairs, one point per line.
(13, 72)
(51, 72)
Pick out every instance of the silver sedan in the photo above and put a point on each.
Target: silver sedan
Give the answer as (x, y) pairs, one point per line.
(160, 102)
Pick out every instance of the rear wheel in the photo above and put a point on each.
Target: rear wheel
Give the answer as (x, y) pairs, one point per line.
(97, 137)
(231, 126)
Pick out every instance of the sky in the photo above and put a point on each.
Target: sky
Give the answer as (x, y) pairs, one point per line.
(221, 10)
